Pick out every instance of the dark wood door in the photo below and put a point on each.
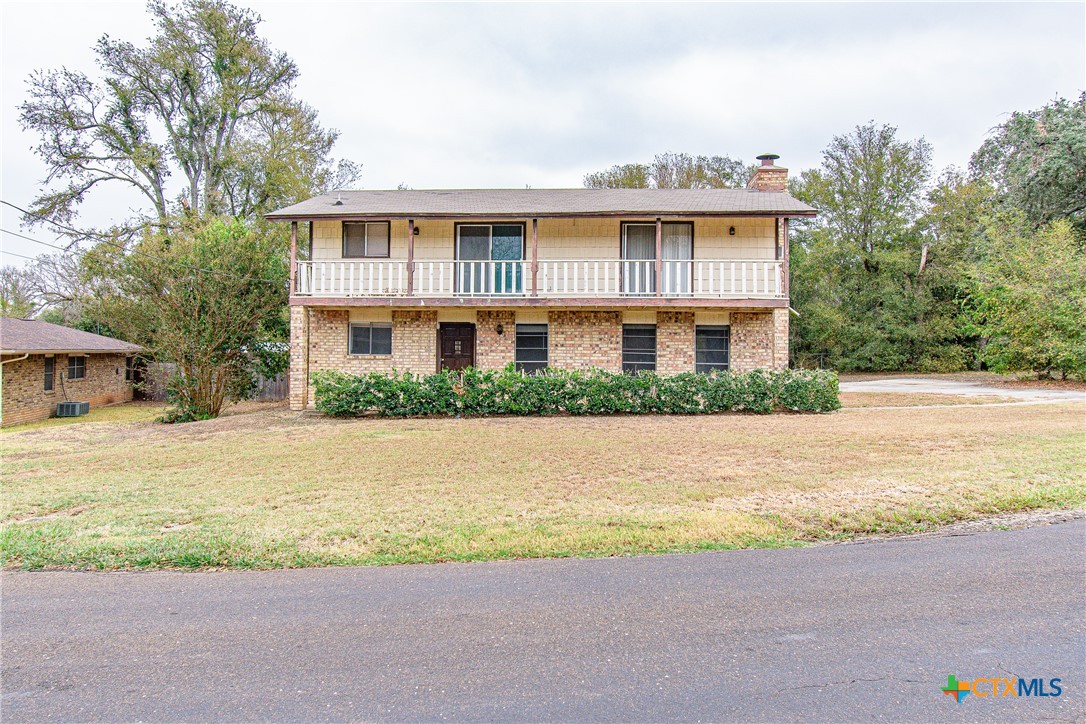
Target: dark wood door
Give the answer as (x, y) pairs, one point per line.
(456, 342)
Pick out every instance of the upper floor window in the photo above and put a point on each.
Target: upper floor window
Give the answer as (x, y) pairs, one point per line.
(490, 242)
(363, 239)
(77, 367)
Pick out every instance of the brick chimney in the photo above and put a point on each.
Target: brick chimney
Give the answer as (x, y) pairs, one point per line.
(768, 177)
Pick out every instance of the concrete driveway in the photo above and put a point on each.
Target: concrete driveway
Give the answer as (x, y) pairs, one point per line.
(955, 387)
(843, 633)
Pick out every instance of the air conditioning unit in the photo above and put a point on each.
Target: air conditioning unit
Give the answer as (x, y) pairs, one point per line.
(72, 409)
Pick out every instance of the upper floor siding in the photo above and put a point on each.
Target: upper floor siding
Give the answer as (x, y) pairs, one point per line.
(569, 239)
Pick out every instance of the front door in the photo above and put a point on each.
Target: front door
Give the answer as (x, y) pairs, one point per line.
(456, 342)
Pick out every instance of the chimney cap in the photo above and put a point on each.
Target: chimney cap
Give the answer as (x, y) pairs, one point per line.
(767, 159)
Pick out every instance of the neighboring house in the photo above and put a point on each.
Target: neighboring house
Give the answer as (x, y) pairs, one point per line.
(44, 364)
(675, 280)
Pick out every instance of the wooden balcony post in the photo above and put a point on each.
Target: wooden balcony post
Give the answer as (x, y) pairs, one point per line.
(410, 257)
(293, 255)
(785, 254)
(535, 257)
(659, 257)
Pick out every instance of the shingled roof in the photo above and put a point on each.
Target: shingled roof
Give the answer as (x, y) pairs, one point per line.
(30, 336)
(526, 203)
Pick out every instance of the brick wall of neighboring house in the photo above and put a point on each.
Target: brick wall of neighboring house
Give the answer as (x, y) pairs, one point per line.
(674, 342)
(580, 340)
(759, 340)
(492, 350)
(25, 398)
(414, 347)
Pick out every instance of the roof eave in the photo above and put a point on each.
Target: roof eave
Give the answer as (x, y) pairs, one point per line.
(336, 216)
(126, 350)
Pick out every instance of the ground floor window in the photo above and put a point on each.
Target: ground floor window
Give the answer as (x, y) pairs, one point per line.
(77, 367)
(129, 367)
(371, 339)
(531, 354)
(638, 347)
(50, 373)
(711, 347)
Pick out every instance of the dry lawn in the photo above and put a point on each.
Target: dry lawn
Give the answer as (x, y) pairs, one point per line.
(271, 488)
(916, 399)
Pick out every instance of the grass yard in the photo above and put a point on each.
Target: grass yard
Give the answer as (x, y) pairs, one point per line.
(270, 488)
(916, 399)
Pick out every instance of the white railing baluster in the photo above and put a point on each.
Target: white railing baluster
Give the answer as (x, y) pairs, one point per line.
(557, 278)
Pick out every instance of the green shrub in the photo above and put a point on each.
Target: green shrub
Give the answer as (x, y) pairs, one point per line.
(594, 392)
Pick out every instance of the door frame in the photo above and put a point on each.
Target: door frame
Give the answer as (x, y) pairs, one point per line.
(461, 325)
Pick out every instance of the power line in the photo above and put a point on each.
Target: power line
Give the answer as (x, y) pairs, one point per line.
(36, 241)
(12, 253)
(122, 248)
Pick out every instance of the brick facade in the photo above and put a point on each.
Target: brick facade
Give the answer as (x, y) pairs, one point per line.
(577, 340)
(674, 342)
(492, 350)
(580, 340)
(780, 339)
(759, 340)
(414, 348)
(25, 398)
(299, 357)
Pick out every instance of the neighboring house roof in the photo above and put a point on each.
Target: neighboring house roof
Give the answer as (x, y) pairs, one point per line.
(521, 203)
(30, 336)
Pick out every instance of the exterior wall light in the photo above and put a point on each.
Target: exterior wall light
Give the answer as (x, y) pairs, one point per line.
(731, 231)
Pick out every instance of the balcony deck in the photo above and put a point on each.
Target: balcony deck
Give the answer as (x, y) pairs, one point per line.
(624, 281)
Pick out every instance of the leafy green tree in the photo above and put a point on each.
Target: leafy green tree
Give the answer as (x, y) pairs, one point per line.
(872, 286)
(206, 106)
(674, 171)
(1037, 162)
(205, 295)
(1031, 294)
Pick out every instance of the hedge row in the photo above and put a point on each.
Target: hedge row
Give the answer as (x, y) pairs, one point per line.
(594, 392)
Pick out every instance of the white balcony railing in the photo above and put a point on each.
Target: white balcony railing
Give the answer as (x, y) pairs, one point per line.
(593, 278)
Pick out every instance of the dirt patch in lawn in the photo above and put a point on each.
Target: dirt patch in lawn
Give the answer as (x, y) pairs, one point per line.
(274, 488)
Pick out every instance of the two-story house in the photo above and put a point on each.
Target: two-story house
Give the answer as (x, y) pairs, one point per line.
(673, 280)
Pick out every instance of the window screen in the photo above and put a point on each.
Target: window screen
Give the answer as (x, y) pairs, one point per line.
(50, 373)
(531, 354)
(711, 347)
(77, 367)
(638, 347)
(371, 339)
(365, 239)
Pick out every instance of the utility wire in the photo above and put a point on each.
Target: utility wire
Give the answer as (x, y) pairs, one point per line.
(122, 247)
(12, 253)
(43, 243)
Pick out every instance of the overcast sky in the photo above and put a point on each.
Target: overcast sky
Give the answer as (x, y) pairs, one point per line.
(504, 95)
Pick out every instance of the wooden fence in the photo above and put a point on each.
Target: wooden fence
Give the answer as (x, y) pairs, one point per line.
(153, 386)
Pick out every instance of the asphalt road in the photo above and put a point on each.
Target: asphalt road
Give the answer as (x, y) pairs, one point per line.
(847, 632)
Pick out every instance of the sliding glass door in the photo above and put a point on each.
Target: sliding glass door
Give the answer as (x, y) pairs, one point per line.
(639, 257)
(490, 258)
